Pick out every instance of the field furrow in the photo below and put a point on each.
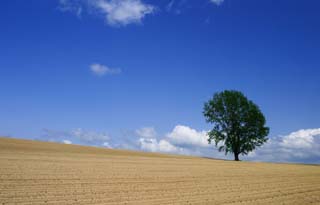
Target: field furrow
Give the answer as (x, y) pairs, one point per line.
(48, 173)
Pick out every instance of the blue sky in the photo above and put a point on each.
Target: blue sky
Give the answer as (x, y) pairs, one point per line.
(135, 73)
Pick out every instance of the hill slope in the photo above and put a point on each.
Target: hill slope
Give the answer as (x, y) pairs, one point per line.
(34, 172)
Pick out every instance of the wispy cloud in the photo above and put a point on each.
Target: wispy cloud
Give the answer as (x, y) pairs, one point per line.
(71, 6)
(115, 12)
(89, 136)
(146, 132)
(217, 2)
(123, 12)
(179, 6)
(101, 70)
(76, 136)
(170, 5)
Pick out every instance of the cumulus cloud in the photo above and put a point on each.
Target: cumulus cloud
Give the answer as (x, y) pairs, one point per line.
(101, 70)
(153, 145)
(149, 142)
(115, 12)
(123, 12)
(300, 139)
(181, 140)
(300, 146)
(217, 2)
(186, 136)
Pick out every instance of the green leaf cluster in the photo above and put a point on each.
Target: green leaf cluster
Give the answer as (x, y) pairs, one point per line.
(238, 123)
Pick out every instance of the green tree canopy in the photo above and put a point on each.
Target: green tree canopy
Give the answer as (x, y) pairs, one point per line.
(238, 124)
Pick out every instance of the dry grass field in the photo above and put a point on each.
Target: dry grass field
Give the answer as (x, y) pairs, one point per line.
(47, 173)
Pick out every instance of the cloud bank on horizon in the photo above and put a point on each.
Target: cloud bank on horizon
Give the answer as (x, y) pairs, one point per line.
(301, 146)
(119, 12)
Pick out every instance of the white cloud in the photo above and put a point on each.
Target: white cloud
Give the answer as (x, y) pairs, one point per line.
(300, 146)
(107, 145)
(183, 135)
(146, 132)
(217, 2)
(300, 139)
(67, 142)
(71, 6)
(123, 12)
(101, 70)
(182, 140)
(76, 136)
(165, 146)
(115, 12)
(153, 145)
(148, 142)
(89, 136)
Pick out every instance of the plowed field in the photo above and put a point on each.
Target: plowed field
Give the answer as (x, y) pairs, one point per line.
(48, 173)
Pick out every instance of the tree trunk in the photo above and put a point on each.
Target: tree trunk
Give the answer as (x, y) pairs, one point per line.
(236, 157)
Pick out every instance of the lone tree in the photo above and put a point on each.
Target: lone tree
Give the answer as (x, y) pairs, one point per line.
(238, 124)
